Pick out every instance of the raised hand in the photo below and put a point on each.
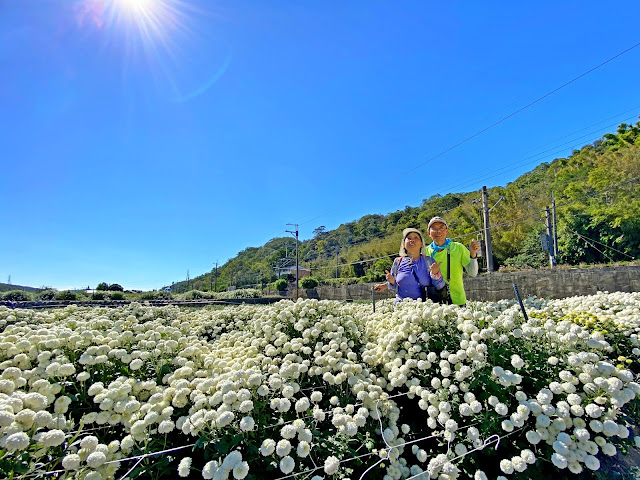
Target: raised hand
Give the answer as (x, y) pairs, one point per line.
(434, 269)
(474, 248)
(390, 278)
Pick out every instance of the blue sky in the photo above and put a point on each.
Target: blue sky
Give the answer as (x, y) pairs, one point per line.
(144, 138)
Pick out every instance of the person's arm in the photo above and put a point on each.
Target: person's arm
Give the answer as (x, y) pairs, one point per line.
(392, 284)
(472, 266)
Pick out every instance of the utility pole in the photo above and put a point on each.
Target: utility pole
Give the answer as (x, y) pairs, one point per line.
(216, 280)
(487, 231)
(188, 281)
(555, 225)
(336, 264)
(297, 264)
(552, 258)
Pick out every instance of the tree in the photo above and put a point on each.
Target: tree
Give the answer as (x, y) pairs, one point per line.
(115, 288)
(308, 282)
(102, 286)
(320, 230)
(281, 284)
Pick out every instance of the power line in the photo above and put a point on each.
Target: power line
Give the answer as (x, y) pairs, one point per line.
(480, 132)
(599, 243)
(525, 161)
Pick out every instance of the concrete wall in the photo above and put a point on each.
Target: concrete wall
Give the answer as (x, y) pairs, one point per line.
(498, 286)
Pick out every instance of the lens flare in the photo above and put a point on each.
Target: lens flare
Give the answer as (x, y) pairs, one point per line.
(170, 40)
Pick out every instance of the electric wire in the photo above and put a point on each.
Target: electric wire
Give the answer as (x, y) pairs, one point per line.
(480, 132)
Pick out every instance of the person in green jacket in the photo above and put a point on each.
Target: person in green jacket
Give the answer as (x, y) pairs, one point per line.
(461, 258)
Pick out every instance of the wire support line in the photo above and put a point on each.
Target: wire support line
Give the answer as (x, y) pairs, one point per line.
(498, 122)
(137, 457)
(590, 240)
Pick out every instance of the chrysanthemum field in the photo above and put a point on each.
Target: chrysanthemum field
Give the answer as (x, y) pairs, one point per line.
(321, 389)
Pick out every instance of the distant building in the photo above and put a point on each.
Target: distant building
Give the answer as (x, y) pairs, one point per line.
(291, 269)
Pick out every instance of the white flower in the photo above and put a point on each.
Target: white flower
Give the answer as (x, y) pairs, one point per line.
(506, 466)
(501, 409)
(71, 461)
(184, 467)
(283, 447)
(591, 462)
(240, 470)
(53, 438)
(559, 461)
(303, 449)
(517, 362)
(209, 469)
(268, 447)
(507, 425)
(247, 424)
(331, 465)
(287, 464)
(166, 426)
(95, 459)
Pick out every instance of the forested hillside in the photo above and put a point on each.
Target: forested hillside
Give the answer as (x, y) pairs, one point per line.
(597, 193)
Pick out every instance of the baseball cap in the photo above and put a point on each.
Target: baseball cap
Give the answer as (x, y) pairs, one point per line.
(437, 220)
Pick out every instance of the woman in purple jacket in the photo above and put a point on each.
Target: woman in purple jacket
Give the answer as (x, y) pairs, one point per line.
(412, 271)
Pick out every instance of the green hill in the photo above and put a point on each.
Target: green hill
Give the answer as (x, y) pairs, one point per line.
(597, 194)
(6, 287)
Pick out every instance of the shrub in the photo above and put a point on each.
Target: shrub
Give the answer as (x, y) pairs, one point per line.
(46, 295)
(116, 288)
(99, 295)
(308, 282)
(281, 284)
(195, 295)
(16, 296)
(242, 293)
(155, 295)
(116, 295)
(66, 295)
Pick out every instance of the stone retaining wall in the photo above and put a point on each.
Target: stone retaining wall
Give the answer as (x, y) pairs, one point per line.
(498, 286)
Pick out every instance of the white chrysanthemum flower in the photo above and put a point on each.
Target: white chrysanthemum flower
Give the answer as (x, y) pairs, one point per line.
(506, 466)
(559, 461)
(247, 424)
(302, 405)
(209, 469)
(287, 464)
(609, 449)
(517, 362)
(283, 447)
(591, 462)
(53, 438)
(166, 426)
(71, 461)
(96, 459)
(184, 467)
(240, 470)
(501, 409)
(303, 449)
(89, 443)
(331, 465)
(268, 447)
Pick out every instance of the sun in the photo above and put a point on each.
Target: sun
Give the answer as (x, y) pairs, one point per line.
(137, 6)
